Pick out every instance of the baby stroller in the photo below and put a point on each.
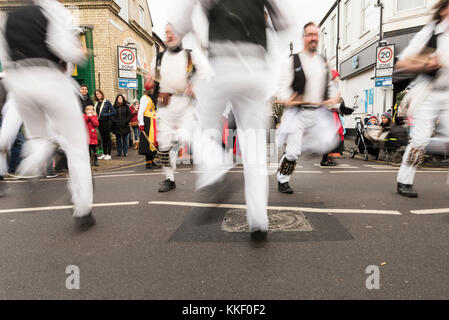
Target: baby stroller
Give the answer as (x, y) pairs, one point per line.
(371, 140)
(363, 145)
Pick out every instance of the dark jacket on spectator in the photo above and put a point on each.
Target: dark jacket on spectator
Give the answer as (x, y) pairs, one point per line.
(85, 101)
(120, 121)
(107, 112)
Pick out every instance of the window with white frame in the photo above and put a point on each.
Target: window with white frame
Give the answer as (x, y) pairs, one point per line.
(365, 15)
(323, 41)
(333, 35)
(123, 8)
(347, 23)
(142, 17)
(404, 5)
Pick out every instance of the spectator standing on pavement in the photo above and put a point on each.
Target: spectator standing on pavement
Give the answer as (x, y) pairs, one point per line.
(85, 99)
(91, 120)
(105, 111)
(120, 125)
(134, 124)
(147, 126)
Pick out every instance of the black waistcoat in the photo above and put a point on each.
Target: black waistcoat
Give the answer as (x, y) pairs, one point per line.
(299, 80)
(238, 21)
(26, 34)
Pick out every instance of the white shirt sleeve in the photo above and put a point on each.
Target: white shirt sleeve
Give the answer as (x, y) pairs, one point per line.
(62, 39)
(286, 79)
(181, 16)
(143, 107)
(418, 42)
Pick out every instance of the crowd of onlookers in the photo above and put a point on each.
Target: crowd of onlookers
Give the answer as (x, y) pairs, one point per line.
(103, 118)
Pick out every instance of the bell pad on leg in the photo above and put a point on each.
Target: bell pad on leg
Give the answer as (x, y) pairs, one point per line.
(164, 157)
(416, 157)
(287, 167)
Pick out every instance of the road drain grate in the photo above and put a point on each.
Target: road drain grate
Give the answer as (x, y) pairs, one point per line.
(280, 221)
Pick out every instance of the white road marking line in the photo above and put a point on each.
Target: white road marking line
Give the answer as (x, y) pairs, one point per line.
(430, 211)
(270, 172)
(366, 171)
(339, 166)
(379, 166)
(386, 171)
(98, 205)
(94, 176)
(310, 210)
(303, 171)
(132, 175)
(113, 172)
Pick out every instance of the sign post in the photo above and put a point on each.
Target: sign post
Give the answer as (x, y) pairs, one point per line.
(127, 67)
(385, 56)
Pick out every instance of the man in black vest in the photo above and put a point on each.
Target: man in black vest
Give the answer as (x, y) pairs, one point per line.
(237, 48)
(307, 124)
(39, 42)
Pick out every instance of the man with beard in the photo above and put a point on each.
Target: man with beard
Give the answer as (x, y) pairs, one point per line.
(175, 113)
(85, 99)
(307, 125)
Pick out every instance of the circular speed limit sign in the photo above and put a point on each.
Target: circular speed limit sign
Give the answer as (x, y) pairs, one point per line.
(127, 62)
(385, 55)
(127, 56)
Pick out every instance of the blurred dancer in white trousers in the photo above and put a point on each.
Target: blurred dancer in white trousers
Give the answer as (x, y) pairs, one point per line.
(40, 40)
(427, 54)
(237, 52)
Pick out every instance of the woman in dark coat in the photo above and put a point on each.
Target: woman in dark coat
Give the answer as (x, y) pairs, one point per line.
(105, 112)
(120, 124)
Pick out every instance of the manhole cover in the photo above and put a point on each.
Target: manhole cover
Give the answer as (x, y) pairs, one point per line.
(280, 221)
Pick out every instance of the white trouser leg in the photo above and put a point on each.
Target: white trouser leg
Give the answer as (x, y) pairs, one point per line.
(314, 133)
(246, 90)
(253, 145)
(174, 125)
(207, 149)
(292, 151)
(11, 123)
(422, 130)
(60, 107)
(170, 171)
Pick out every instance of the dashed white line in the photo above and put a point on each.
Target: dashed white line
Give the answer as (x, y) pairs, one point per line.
(54, 208)
(430, 211)
(385, 171)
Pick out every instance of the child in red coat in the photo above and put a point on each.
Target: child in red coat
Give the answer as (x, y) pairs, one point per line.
(92, 124)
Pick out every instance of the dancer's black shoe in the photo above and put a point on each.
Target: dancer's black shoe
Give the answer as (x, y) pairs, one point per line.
(85, 223)
(406, 190)
(285, 188)
(167, 186)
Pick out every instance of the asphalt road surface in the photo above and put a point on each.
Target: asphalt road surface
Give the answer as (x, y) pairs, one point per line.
(148, 245)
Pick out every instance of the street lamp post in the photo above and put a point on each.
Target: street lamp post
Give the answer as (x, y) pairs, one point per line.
(338, 36)
(381, 27)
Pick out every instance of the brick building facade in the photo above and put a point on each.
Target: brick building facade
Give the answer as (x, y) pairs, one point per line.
(105, 25)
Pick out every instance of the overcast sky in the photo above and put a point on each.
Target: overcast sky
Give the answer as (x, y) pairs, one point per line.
(305, 11)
